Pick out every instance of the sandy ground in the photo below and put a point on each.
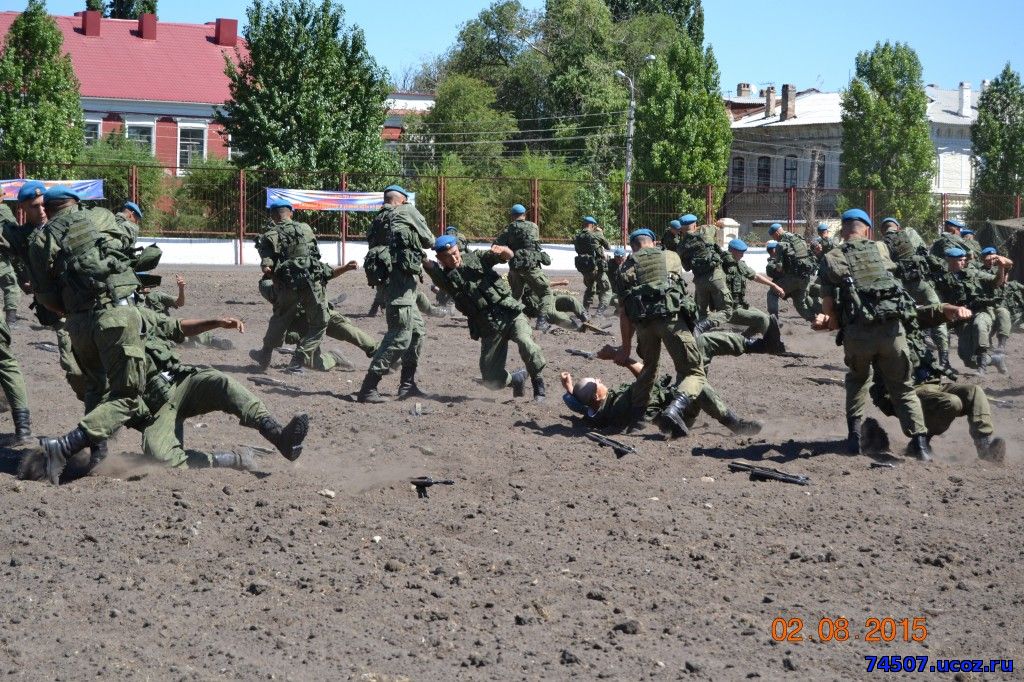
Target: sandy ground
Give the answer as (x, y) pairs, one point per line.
(548, 558)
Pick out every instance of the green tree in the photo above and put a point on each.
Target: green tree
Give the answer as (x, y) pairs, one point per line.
(110, 159)
(307, 97)
(94, 5)
(205, 198)
(126, 9)
(886, 141)
(40, 111)
(687, 14)
(683, 132)
(998, 140)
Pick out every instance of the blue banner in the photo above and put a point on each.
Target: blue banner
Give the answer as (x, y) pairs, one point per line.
(319, 200)
(88, 190)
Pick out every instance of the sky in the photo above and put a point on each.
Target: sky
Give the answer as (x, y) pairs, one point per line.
(810, 43)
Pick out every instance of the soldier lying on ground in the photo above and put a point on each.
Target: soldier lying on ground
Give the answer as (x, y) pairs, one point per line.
(162, 303)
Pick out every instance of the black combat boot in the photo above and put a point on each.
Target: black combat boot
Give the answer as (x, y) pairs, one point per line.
(407, 387)
(542, 324)
(741, 427)
(97, 453)
(584, 315)
(1001, 342)
(671, 420)
(261, 357)
(944, 362)
(702, 326)
(990, 449)
(373, 310)
(999, 360)
(368, 391)
(853, 425)
(773, 336)
(232, 460)
(518, 382)
(12, 318)
(539, 393)
(756, 345)
(287, 439)
(58, 450)
(22, 426)
(984, 362)
(920, 448)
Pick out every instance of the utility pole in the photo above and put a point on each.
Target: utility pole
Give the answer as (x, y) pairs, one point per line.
(630, 120)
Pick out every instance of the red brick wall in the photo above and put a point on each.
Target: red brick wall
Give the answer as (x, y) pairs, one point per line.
(167, 141)
(110, 123)
(216, 142)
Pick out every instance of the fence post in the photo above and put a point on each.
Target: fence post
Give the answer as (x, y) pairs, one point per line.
(1016, 207)
(709, 205)
(945, 207)
(133, 182)
(791, 208)
(625, 212)
(535, 200)
(441, 214)
(871, 205)
(343, 186)
(241, 216)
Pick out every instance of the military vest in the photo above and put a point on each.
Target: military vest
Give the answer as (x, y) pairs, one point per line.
(735, 281)
(908, 252)
(869, 293)
(482, 295)
(93, 271)
(526, 250)
(797, 258)
(698, 255)
(964, 288)
(589, 252)
(652, 294)
(393, 247)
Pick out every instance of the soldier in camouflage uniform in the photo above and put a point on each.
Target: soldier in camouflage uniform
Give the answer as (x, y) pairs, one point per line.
(974, 288)
(861, 297)
(704, 259)
(11, 380)
(564, 303)
(161, 302)
(654, 307)
(914, 268)
(614, 278)
(291, 258)
(671, 237)
(943, 401)
(129, 218)
(1002, 325)
(973, 246)
(396, 240)
(795, 267)
(495, 317)
(827, 241)
(737, 273)
(590, 245)
(8, 276)
(949, 238)
(443, 299)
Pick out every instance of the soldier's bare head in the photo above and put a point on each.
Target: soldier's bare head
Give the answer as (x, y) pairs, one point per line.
(394, 198)
(280, 214)
(590, 391)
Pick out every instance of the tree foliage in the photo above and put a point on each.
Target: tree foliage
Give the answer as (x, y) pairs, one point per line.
(307, 96)
(110, 158)
(683, 132)
(886, 141)
(125, 9)
(687, 14)
(40, 111)
(998, 140)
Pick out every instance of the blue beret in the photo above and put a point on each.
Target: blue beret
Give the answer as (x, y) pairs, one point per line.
(451, 229)
(771, 244)
(573, 403)
(134, 208)
(989, 250)
(619, 251)
(30, 190)
(687, 219)
(675, 225)
(642, 232)
(857, 214)
(774, 227)
(959, 224)
(955, 252)
(823, 227)
(517, 209)
(964, 230)
(60, 193)
(590, 220)
(396, 188)
(443, 242)
(738, 244)
(891, 220)
(280, 203)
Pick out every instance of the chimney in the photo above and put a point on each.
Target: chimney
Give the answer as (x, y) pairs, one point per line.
(965, 99)
(788, 102)
(147, 26)
(226, 32)
(91, 23)
(769, 101)
(744, 90)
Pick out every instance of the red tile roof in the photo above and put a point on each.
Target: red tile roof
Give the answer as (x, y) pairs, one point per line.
(183, 64)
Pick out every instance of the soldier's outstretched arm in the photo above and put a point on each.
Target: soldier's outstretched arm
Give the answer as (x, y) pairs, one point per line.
(195, 327)
(342, 269)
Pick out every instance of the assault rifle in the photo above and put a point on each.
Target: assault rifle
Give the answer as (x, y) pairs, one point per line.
(620, 448)
(590, 326)
(767, 474)
(581, 353)
(421, 483)
(274, 383)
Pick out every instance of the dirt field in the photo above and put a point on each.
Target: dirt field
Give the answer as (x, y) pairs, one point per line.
(548, 558)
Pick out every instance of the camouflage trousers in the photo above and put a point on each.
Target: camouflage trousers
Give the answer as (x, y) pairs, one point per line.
(712, 296)
(10, 289)
(596, 283)
(540, 285)
(943, 403)
(651, 335)
(883, 346)
(494, 353)
(11, 380)
(288, 303)
(800, 293)
(923, 293)
(403, 339)
(973, 337)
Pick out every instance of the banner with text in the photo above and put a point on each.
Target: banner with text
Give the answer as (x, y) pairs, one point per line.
(88, 190)
(323, 200)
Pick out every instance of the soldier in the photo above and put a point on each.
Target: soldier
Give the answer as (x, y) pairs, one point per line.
(736, 275)
(704, 259)
(590, 245)
(974, 288)
(949, 238)
(861, 297)
(129, 218)
(614, 264)
(11, 380)
(443, 299)
(827, 242)
(795, 267)
(564, 303)
(524, 270)
(495, 317)
(654, 307)
(78, 269)
(154, 299)
(396, 240)
(973, 247)
(913, 269)
(670, 239)
(8, 276)
(291, 259)
(1002, 324)
(943, 401)
(453, 231)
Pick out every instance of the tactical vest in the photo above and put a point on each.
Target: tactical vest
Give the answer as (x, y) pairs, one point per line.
(92, 271)
(869, 293)
(476, 291)
(799, 260)
(652, 295)
(736, 282)
(965, 289)
(589, 252)
(698, 255)
(392, 248)
(909, 253)
(526, 250)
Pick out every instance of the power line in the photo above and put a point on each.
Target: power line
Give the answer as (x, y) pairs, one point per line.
(478, 142)
(516, 132)
(539, 118)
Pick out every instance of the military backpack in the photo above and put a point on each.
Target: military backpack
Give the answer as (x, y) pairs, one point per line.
(93, 271)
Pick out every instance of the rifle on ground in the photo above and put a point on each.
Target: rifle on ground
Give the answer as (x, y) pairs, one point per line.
(274, 383)
(767, 474)
(581, 353)
(620, 448)
(826, 381)
(590, 326)
(421, 484)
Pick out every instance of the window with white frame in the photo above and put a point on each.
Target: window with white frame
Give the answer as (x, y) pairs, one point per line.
(92, 132)
(191, 145)
(142, 133)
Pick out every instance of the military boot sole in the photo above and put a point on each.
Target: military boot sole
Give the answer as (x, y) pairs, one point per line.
(292, 436)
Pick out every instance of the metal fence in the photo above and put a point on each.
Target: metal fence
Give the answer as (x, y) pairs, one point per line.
(230, 202)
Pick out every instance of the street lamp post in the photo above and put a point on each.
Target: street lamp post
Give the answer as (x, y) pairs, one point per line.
(630, 120)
